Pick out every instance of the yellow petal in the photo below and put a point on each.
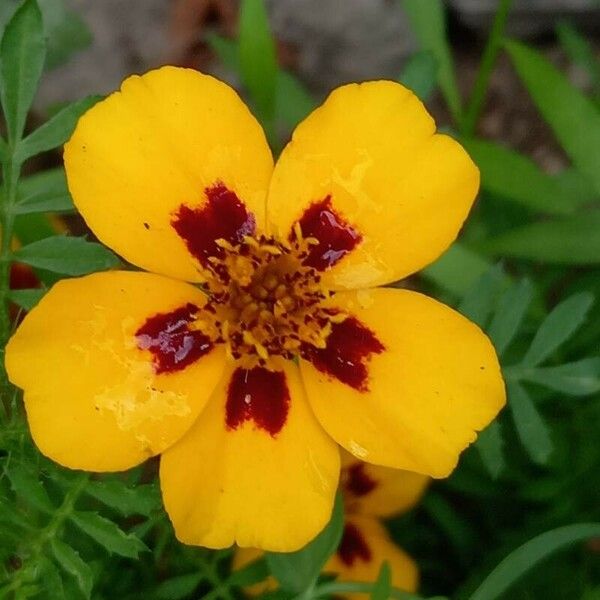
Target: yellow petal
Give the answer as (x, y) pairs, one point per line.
(371, 149)
(436, 383)
(93, 398)
(159, 144)
(365, 546)
(379, 491)
(256, 469)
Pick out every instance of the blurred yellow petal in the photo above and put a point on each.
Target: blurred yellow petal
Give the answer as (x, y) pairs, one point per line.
(379, 491)
(372, 152)
(365, 546)
(93, 398)
(256, 469)
(436, 382)
(163, 142)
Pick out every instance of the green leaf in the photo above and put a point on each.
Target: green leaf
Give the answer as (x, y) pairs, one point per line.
(558, 327)
(490, 445)
(529, 555)
(428, 21)
(574, 118)
(28, 487)
(294, 103)
(457, 270)
(227, 50)
(74, 565)
(383, 586)
(573, 240)
(297, 571)
(580, 378)
(531, 429)
(258, 60)
(67, 255)
(515, 177)
(478, 303)
(510, 314)
(22, 54)
(420, 74)
(178, 587)
(26, 299)
(57, 130)
(108, 535)
(140, 500)
(250, 574)
(44, 192)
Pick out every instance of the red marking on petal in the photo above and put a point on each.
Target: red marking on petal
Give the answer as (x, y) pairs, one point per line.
(258, 395)
(23, 277)
(349, 346)
(168, 337)
(359, 483)
(223, 216)
(353, 546)
(336, 237)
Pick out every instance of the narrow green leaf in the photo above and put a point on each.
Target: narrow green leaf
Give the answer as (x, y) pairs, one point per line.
(140, 500)
(28, 487)
(573, 240)
(420, 74)
(457, 270)
(529, 555)
(428, 20)
(510, 314)
(74, 565)
(227, 50)
(107, 534)
(258, 60)
(28, 298)
(558, 327)
(294, 103)
(532, 430)
(490, 445)
(67, 255)
(580, 378)
(57, 130)
(178, 587)
(517, 178)
(578, 127)
(479, 301)
(22, 54)
(297, 571)
(383, 586)
(44, 192)
(250, 574)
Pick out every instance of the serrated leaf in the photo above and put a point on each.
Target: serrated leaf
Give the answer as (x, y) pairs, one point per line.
(531, 428)
(178, 587)
(578, 127)
(580, 378)
(528, 556)
(420, 74)
(74, 565)
(22, 55)
(383, 586)
(509, 315)
(479, 301)
(558, 327)
(258, 61)
(571, 241)
(28, 487)
(297, 571)
(57, 130)
(139, 500)
(26, 299)
(517, 178)
(44, 192)
(67, 255)
(108, 534)
(490, 445)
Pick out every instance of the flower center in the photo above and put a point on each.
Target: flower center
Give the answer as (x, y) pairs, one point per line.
(264, 299)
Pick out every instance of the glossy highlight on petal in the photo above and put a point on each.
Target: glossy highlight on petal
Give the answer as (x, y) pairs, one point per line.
(353, 546)
(258, 395)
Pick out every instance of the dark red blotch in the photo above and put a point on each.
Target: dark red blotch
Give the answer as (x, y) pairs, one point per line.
(336, 237)
(349, 346)
(258, 395)
(359, 483)
(223, 216)
(353, 546)
(168, 337)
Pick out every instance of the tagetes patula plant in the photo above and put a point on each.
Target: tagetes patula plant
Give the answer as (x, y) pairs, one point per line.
(285, 349)
(371, 493)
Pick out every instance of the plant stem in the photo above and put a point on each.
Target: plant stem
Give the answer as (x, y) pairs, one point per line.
(486, 66)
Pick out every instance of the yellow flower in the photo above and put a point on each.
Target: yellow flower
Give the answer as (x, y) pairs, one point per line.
(370, 493)
(285, 350)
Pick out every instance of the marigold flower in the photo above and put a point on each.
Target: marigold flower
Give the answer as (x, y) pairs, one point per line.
(370, 493)
(248, 382)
